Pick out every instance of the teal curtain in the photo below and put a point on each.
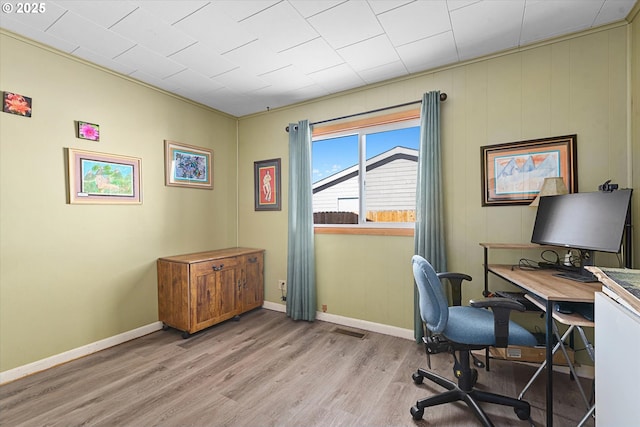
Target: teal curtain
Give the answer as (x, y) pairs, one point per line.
(429, 239)
(301, 273)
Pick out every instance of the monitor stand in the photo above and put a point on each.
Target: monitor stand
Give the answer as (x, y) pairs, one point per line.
(580, 274)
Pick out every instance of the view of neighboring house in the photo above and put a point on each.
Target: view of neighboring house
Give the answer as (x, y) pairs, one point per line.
(390, 186)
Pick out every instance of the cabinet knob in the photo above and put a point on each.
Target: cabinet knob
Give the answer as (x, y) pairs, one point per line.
(218, 267)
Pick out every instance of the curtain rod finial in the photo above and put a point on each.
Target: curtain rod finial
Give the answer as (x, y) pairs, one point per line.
(443, 96)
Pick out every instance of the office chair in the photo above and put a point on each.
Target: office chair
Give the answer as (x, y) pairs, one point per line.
(458, 330)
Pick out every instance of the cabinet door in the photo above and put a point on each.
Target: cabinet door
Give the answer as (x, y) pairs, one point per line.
(252, 281)
(214, 293)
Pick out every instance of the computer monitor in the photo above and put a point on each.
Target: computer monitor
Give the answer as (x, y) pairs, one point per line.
(586, 221)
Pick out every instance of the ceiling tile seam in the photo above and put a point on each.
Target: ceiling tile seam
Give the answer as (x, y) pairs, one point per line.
(322, 11)
(191, 14)
(302, 43)
(123, 18)
(178, 72)
(524, 12)
(241, 46)
(261, 10)
(55, 22)
(184, 48)
(124, 51)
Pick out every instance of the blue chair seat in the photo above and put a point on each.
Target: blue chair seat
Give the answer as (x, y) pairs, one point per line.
(474, 326)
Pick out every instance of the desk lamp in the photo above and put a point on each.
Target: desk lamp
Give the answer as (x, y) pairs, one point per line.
(550, 187)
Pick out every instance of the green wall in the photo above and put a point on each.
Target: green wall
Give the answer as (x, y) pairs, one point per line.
(573, 85)
(71, 275)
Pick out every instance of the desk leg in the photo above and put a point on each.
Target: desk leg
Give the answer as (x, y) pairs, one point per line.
(549, 357)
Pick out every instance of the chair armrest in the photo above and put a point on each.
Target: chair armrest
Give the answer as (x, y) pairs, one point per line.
(455, 280)
(501, 308)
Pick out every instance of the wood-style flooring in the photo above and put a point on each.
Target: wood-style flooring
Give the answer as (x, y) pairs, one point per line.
(265, 370)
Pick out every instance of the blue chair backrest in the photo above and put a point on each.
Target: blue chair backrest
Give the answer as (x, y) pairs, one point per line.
(434, 307)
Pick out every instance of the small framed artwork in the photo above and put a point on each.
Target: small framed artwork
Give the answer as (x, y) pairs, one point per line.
(90, 131)
(513, 173)
(14, 103)
(188, 166)
(100, 178)
(266, 177)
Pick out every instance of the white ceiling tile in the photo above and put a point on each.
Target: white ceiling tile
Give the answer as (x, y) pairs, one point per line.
(33, 33)
(309, 8)
(242, 56)
(540, 24)
(211, 26)
(288, 77)
(346, 24)
(279, 36)
(78, 30)
(257, 57)
(359, 56)
(613, 10)
(149, 62)
(38, 21)
(383, 72)
(241, 80)
(338, 78)
(172, 11)
(152, 32)
(313, 56)
(203, 59)
(103, 13)
(103, 61)
(487, 27)
(429, 53)
(191, 82)
(380, 6)
(239, 10)
(415, 21)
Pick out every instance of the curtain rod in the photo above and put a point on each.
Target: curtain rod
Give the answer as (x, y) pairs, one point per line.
(443, 97)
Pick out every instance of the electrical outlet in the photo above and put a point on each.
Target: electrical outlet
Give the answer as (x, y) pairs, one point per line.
(282, 284)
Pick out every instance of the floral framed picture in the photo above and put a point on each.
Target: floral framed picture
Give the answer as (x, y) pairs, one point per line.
(513, 173)
(14, 103)
(90, 131)
(188, 165)
(266, 177)
(100, 178)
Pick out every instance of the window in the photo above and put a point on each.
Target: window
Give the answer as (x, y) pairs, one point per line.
(366, 175)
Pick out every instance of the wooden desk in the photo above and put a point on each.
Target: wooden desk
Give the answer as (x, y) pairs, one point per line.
(544, 284)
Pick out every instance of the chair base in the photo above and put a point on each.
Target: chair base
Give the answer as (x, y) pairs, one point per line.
(470, 397)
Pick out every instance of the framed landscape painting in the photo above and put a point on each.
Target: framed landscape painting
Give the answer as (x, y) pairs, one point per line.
(100, 178)
(513, 173)
(188, 166)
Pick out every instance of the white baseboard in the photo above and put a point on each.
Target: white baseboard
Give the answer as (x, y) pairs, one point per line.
(352, 323)
(76, 353)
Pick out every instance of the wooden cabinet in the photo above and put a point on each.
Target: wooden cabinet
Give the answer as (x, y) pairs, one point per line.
(198, 290)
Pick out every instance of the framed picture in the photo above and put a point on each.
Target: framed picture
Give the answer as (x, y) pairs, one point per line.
(513, 173)
(266, 177)
(100, 178)
(14, 103)
(188, 166)
(90, 131)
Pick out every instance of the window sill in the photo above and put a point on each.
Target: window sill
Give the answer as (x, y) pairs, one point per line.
(369, 231)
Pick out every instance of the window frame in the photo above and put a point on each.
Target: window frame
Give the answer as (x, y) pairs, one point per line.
(361, 128)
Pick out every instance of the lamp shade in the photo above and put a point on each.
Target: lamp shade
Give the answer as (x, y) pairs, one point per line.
(551, 187)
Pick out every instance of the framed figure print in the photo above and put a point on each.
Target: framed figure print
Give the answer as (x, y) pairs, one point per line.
(266, 176)
(100, 178)
(513, 173)
(188, 166)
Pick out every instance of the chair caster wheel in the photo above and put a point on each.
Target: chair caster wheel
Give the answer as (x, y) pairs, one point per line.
(417, 378)
(417, 413)
(523, 414)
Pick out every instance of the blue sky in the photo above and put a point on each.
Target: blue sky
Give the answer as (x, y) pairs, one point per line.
(331, 156)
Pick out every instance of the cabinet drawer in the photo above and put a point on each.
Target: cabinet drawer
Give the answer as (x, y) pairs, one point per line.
(216, 265)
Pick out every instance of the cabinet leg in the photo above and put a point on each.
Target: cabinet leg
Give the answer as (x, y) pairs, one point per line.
(185, 335)
(236, 318)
